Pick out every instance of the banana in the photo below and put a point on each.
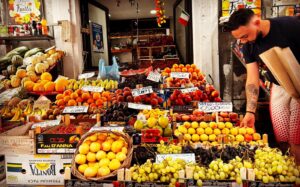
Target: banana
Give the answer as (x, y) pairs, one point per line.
(17, 115)
(28, 109)
(75, 86)
(44, 112)
(70, 85)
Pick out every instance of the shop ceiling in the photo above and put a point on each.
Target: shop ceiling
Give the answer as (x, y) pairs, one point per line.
(126, 11)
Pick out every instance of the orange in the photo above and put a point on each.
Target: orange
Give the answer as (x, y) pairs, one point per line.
(21, 73)
(99, 102)
(86, 96)
(197, 70)
(104, 99)
(67, 92)
(46, 76)
(168, 70)
(96, 95)
(59, 96)
(60, 102)
(90, 101)
(184, 70)
(74, 95)
(193, 66)
(93, 105)
(72, 102)
(173, 70)
(28, 85)
(59, 87)
(38, 87)
(191, 70)
(178, 70)
(78, 100)
(181, 66)
(79, 92)
(66, 98)
(85, 104)
(106, 94)
(187, 66)
(175, 66)
(62, 81)
(49, 86)
(43, 82)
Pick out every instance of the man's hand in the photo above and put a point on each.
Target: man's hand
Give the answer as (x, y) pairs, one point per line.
(248, 120)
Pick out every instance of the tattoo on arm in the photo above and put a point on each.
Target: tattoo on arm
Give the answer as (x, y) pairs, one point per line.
(252, 92)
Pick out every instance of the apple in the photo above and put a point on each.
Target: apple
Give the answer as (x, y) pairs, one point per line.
(228, 125)
(213, 125)
(225, 131)
(242, 131)
(187, 124)
(215, 93)
(224, 114)
(248, 138)
(137, 99)
(218, 99)
(185, 117)
(233, 115)
(193, 117)
(249, 130)
(256, 136)
(239, 138)
(234, 131)
(221, 125)
(178, 117)
(173, 97)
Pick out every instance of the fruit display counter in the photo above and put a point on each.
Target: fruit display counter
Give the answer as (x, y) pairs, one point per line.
(164, 127)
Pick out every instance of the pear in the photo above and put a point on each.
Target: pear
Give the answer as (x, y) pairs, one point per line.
(168, 132)
(138, 125)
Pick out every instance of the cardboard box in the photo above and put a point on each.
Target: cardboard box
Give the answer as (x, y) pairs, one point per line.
(32, 170)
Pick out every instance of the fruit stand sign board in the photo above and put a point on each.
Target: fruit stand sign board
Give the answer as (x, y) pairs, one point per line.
(188, 90)
(142, 91)
(48, 123)
(154, 76)
(187, 157)
(32, 170)
(86, 75)
(139, 106)
(215, 106)
(180, 75)
(56, 143)
(42, 103)
(75, 109)
(92, 88)
(95, 128)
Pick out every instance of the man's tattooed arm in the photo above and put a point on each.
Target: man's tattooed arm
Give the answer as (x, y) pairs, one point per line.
(252, 92)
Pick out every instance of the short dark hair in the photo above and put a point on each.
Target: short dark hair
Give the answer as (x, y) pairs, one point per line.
(239, 18)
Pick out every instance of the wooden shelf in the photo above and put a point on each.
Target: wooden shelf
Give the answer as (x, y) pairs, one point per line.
(26, 38)
(120, 50)
(120, 37)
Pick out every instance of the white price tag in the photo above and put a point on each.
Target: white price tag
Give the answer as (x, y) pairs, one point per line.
(215, 106)
(2, 77)
(142, 91)
(42, 103)
(48, 123)
(139, 106)
(188, 90)
(119, 129)
(187, 157)
(154, 76)
(86, 75)
(180, 75)
(75, 109)
(92, 88)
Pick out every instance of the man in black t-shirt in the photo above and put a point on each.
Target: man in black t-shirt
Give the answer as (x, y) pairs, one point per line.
(258, 36)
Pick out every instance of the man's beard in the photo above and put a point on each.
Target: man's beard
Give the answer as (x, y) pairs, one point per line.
(259, 37)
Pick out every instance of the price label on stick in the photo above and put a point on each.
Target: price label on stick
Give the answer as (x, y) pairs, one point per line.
(142, 91)
(92, 88)
(86, 75)
(48, 123)
(119, 129)
(188, 90)
(215, 106)
(188, 157)
(139, 106)
(180, 75)
(154, 76)
(75, 109)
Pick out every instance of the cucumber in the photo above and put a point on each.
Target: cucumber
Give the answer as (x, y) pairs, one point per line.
(11, 54)
(33, 52)
(21, 50)
(4, 62)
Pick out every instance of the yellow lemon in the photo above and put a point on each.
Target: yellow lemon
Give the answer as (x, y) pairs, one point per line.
(90, 172)
(82, 167)
(84, 149)
(80, 159)
(91, 157)
(114, 164)
(100, 155)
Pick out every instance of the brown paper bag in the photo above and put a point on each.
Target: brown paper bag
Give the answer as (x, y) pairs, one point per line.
(273, 60)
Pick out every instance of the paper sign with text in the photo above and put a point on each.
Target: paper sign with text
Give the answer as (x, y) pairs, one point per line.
(86, 75)
(215, 106)
(139, 106)
(188, 90)
(142, 91)
(92, 88)
(75, 109)
(2, 77)
(120, 129)
(42, 103)
(48, 123)
(180, 75)
(187, 157)
(154, 76)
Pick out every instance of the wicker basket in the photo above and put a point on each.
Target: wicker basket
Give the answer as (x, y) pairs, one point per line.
(126, 163)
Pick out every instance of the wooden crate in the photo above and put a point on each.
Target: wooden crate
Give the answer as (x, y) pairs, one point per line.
(17, 145)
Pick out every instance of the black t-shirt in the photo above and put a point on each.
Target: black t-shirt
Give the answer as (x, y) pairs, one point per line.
(284, 32)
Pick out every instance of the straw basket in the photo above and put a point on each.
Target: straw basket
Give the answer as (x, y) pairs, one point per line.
(125, 164)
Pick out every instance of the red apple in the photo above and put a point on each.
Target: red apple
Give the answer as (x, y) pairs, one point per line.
(160, 100)
(137, 99)
(185, 118)
(215, 93)
(224, 114)
(218, 99)
(233, 115)
(188, 99)
(127, 89)
(173, 97)
(248, 137)
(154, 102)
(129, 98)
(153, 95)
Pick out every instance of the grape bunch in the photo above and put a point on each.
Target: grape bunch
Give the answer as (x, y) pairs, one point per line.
(166, 171)
(142, 154)
(168, 149)
(272, 166)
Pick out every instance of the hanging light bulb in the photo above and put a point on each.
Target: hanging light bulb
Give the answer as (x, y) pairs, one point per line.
(118, 3)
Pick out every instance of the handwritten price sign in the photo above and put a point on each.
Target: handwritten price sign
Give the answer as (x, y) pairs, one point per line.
(119, 129)
(215, 106)
(154, 76)
(188, 157)
(75, 109)
(86, 75)
(188, 90)
(92, 88)
(180, 75)
(48, 123)
(142, 91)
(139, 106)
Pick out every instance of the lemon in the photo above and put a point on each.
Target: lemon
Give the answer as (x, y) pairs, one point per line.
(90, 172)
(100, 155)
(106, 146)
(111, 155)
(80, 159)
(124, 150)
(182, 129)
(104, 162)
(82, 168)
(93, 138)
(191, 130)
(195, 124)
(203, 125)
(114, 164)
(84, 149)
(195, 137)
(91, 157)
(187, 137)
(103, 171)
(200, 131)
(116, 146)
(203, 137)
(121, 156)
(93, 164)
(208, 130)
(95, 147)
(212, 137)
(151, 122)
